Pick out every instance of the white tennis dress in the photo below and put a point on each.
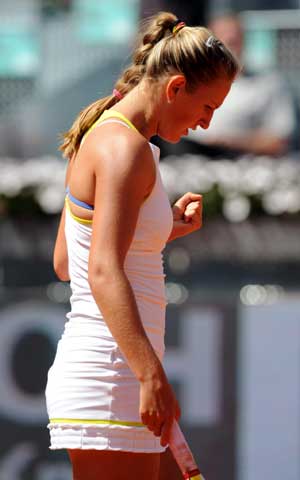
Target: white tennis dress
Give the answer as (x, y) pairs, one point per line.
(92, 396)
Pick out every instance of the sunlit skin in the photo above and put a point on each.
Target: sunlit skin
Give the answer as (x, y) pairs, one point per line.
(182, 110)
(116, 171)
(168, 110)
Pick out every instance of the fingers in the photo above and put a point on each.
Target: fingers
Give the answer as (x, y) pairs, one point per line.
(158, 408)
(166, 431)
(193, 208)
(187, 198)
(190, 197)
(153, 422)
(193, 214)
(161, 429)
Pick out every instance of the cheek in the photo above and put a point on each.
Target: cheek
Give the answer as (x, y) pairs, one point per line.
(186, 119)
(179, 117)
(184, 110)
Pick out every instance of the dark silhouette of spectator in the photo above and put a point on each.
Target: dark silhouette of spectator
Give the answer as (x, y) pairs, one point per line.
(258, 115)
(192, 12)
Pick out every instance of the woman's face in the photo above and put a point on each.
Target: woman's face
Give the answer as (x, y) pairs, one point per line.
(181, 110)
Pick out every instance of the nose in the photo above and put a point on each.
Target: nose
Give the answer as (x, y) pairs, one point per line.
(205, 122)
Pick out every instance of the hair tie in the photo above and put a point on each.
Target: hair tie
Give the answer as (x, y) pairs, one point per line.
(210, 41)
(117, 94)
(178, 27)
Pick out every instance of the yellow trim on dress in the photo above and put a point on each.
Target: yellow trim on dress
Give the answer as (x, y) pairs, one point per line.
(97, 422)
(83, 221)
(113, 113)
(109, 114)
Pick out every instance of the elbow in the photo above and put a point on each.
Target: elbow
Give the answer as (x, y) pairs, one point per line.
(96, 277)
(63, 277)
(101, 275)
(61, 271)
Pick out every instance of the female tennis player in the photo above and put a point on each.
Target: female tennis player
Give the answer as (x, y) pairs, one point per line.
(108, 398)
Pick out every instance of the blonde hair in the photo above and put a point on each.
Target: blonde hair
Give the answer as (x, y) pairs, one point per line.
(191, 51)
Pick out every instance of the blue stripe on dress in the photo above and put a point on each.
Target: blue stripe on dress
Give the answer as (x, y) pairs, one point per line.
(78, 202)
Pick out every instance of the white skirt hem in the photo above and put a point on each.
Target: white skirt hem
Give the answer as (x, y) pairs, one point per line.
(98, 437)
(87, 447)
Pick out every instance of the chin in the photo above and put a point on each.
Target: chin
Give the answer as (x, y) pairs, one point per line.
(172, 139)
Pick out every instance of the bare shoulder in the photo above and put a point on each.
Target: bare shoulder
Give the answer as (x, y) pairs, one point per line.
(116, 150)
(124, 173)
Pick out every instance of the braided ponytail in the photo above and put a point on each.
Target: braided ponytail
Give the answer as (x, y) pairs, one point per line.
(159, 51)
(152, 31)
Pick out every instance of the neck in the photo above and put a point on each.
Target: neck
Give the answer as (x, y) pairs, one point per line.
(141, 108)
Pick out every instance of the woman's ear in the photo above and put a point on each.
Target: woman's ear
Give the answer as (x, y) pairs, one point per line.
(175, 83)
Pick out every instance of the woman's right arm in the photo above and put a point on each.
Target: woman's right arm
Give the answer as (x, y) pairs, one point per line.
(123, 180)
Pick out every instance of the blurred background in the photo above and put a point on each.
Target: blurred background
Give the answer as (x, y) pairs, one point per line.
(233, 322)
